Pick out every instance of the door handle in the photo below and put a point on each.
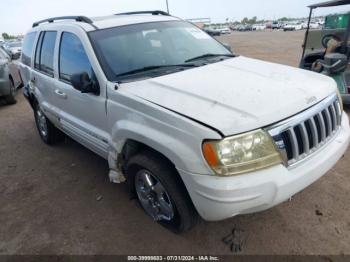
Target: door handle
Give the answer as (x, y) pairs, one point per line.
(33, 79)
(60, 94)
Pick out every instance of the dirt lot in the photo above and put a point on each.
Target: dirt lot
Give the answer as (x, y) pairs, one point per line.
(49, 195)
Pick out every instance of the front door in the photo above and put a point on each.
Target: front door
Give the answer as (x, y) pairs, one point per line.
(83, 115)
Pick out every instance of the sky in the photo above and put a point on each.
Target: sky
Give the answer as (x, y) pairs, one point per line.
(17, 16)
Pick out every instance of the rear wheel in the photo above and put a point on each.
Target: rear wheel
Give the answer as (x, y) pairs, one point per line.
(10, 99)
(161, 192)
(47, 131)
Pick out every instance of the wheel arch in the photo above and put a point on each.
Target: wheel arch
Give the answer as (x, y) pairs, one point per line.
(132, 148)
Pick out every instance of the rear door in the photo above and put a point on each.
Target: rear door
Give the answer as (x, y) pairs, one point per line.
(43, 77)
(82, 115)
(27, 57)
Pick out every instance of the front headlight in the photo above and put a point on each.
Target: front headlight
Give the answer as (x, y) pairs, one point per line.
(242, 153)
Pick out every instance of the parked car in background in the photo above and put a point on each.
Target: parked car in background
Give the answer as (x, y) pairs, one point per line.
(13, 48)
(187, 124)
(212, 32)
(276, 25)
(10, 79)
(313, 25)
(235, 27)
(293, 26)
(243, 28)
(259, 27)
(225, 30)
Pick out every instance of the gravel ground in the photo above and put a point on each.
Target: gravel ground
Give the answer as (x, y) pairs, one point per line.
(57, 200)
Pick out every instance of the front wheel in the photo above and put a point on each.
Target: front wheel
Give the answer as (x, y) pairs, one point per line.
(161, 192)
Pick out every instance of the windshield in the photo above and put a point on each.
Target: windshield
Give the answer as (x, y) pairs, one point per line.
(159, 46)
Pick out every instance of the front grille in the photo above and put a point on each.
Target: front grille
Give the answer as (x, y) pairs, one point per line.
(305, 133)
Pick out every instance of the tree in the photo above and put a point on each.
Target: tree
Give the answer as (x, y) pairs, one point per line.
(253, 20)
(245, 20)
(284, 19)
(5, 35)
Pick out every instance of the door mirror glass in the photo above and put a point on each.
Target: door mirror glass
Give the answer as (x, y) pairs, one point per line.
(84, 83)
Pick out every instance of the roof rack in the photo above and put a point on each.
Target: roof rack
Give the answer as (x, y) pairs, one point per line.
(155, 12)
(76, 18)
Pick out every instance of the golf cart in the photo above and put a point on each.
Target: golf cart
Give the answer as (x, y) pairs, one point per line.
(327, 50)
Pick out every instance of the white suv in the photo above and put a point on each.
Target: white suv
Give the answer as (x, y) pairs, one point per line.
(191, 128)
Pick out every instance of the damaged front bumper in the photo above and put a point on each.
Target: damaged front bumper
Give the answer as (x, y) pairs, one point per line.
(218, 198)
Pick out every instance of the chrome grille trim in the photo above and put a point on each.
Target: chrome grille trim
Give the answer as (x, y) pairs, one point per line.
(314, 132)
(305, 138)
(301, 135)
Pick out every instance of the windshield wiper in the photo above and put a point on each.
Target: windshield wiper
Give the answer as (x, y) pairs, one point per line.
(150, 68)
(208, 55)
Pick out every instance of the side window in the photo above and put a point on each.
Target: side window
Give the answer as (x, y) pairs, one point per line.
(72, 58)
(27, 48)
(45, 52)
(37, 51)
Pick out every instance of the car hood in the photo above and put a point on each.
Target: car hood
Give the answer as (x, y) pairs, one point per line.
(236, 95)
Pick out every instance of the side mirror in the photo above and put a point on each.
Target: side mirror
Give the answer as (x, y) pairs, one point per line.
(227, 46)
(84, 84)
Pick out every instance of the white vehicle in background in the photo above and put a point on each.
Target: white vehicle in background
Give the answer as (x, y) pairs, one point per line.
(314, 25)
(293, 26)
(13, 48)
(259, 27)
(225, 30)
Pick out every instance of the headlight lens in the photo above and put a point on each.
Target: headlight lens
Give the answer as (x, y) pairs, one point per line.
(242, 153)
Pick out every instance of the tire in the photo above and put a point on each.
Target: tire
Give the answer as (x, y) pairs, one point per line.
(47, 131)
(184, 213)
(10, 99)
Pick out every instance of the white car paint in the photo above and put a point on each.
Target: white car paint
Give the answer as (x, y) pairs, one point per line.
(314, 26)
(225, 30)
(293, 26)
(175, 113)
(259, 27)
(240, 86)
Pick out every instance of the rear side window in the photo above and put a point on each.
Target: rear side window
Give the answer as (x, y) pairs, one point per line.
(27, 48)
(45, 52)
(72, 58)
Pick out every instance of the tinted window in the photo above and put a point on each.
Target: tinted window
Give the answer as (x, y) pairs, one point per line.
(127, 48)
(44, 55)
(27, 48)
(73, 58)
(37, 51)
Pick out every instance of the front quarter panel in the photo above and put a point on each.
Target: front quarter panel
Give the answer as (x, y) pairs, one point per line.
(176, 137)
